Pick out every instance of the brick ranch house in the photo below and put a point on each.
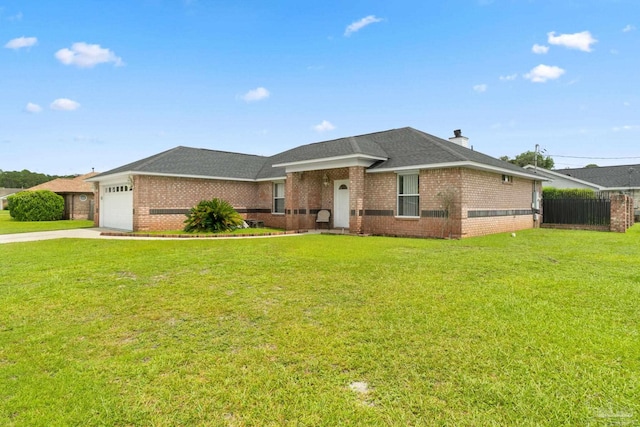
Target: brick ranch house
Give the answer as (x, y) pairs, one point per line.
(76, 192)
(400, 182)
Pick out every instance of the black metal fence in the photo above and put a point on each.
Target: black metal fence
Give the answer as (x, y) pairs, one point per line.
(576, 211)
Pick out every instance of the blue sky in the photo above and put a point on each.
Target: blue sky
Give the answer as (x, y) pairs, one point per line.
(97, 84)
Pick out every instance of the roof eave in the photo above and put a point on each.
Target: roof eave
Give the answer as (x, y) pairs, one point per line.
(462, 164)
(330, 162)
(126, 174)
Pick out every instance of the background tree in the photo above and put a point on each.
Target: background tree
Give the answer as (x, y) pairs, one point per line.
(528, 158)
(592, 165)
(24, 178)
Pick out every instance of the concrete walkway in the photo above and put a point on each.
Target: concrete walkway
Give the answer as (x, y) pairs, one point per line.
(95, 233)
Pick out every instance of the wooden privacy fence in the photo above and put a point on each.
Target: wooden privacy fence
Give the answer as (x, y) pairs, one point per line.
(608, 214)
(577, 211)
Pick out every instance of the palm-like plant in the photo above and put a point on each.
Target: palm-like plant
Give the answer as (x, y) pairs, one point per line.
(214, 215)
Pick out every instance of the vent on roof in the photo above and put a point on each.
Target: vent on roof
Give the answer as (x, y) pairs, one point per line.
(459, 139)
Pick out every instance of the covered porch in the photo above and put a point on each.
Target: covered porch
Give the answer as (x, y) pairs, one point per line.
(338, 190)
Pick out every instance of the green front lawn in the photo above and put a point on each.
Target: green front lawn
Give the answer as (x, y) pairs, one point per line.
(9, 226)
(540, 329)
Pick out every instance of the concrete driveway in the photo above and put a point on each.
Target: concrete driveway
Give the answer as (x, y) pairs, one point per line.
(81, 233)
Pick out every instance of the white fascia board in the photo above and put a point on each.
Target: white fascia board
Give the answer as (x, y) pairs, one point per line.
(563, 176)
(618, 188)
(465, 164)
(274, 179)
(330, 163)
(125, 175)
(110, 179)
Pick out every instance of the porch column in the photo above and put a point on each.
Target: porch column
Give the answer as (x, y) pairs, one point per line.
(292, 200)
(356, 198)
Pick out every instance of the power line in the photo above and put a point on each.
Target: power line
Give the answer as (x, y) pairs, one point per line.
(594, 158)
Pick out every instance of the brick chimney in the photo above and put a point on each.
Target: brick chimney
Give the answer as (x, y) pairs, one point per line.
(457, 138)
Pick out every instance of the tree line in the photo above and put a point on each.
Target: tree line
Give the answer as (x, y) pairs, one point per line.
(25, 178)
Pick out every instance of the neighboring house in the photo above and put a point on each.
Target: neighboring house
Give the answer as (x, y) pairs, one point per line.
(400, 182)
(623, 179)
(77, 193)
(4, 193)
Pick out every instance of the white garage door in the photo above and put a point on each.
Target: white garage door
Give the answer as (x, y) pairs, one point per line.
(116, 206)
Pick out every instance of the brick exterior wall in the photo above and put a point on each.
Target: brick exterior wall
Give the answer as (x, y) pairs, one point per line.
(447, 196)
(486, 193)
(76, 208)
(154, 194)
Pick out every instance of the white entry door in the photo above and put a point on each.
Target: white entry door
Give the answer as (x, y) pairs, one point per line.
(341, 203)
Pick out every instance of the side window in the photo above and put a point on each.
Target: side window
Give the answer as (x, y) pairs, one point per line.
(278, 197)
(408, 195)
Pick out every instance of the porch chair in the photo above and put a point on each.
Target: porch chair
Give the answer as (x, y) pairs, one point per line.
(323, 217)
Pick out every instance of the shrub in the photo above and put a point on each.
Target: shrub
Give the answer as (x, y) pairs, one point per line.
(40, 205)
(212, 215)
(568, 193)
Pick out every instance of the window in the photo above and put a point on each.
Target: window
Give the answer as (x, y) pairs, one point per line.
(408, 195)
(278, 197)
(507, 179)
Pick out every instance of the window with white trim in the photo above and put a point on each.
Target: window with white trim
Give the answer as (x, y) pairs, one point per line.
(278, 197)
(408, 195)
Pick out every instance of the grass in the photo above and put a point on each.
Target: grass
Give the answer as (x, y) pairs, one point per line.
(540, 329)
(9, 226)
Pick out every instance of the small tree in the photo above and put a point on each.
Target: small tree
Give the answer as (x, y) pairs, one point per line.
(529, 158)
(447, 199)
(40, 205)
(212, 215)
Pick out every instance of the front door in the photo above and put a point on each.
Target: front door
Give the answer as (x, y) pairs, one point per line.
(341, 203)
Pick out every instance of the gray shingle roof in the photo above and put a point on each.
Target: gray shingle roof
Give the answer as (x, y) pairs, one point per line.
(623, 176)
(196, 162)
(399, 148)
(408, 147)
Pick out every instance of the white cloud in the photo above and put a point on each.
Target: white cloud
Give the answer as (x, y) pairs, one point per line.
(625, 128)
(509, 77)
(20, 42)
(581, 41)
(257, 94)
(358, 25)
(32, 108)
(480, 88)
(540, 49)
(324, 126)
(628, 28)
(542, 73)
(85, 55)
(64, 104)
